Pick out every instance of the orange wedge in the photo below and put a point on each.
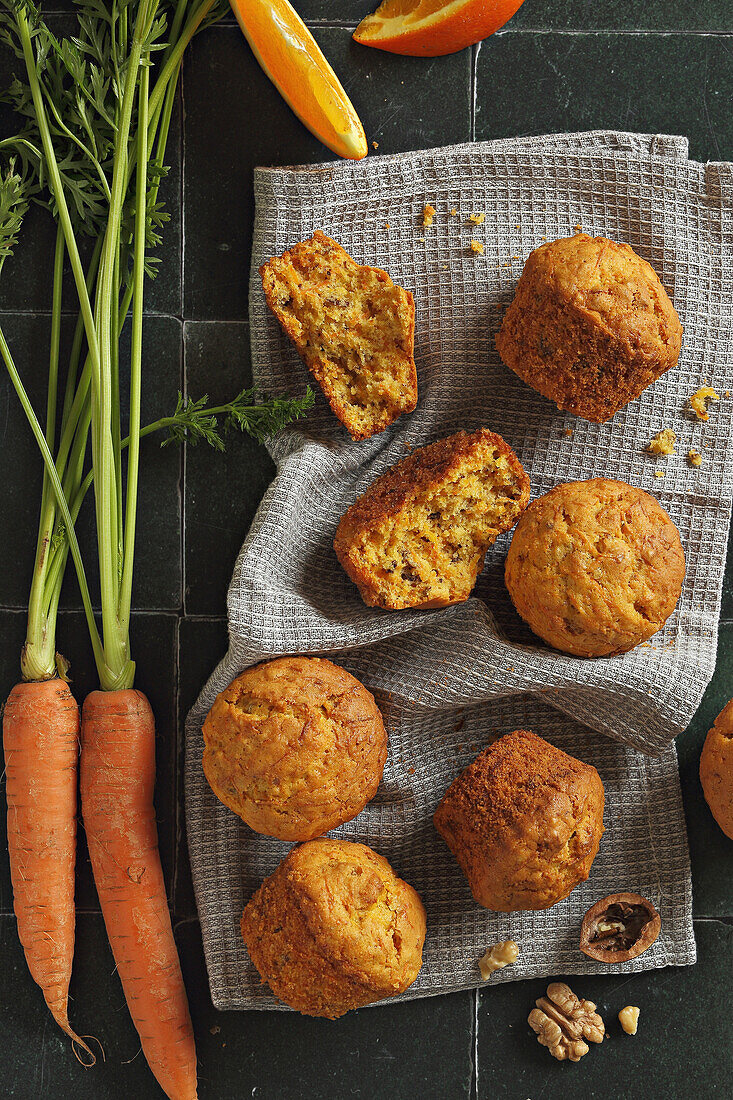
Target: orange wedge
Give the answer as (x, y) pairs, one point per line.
(292, 59)
(430, 28)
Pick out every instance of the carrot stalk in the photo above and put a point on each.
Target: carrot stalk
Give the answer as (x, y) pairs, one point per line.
(41, 744)
(117, 780)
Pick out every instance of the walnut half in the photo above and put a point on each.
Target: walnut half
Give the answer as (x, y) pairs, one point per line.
(619, 927)
(562, 1022)
(497, 957)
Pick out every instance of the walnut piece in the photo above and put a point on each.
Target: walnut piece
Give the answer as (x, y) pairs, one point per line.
(629, 1019)
(562, 1022)
(428, 214)
(699, 402)
(619, 927)
(663, 443)
(497, 957)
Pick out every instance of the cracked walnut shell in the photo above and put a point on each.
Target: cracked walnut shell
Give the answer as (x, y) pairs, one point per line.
(619, 927)
(563, 1022)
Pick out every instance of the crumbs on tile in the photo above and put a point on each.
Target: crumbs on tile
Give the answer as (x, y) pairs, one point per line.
(477, 219)
(477, 247)
(659, 473)
(694, 458)
(453, 212)
(428, 215)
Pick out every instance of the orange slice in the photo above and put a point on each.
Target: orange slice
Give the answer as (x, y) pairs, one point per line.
(430, 28)
(292, 59)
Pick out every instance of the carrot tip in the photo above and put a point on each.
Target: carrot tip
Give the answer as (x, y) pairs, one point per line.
(87, 1058)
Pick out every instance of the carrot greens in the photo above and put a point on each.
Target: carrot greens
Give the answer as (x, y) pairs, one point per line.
(96, 110)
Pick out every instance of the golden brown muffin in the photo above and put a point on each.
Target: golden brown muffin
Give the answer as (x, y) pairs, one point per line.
(419, 534)
(295, 747)
(334, 929)
(353, 327)
(595, 567)
(524, 821)
(590, 326)
(716, 769)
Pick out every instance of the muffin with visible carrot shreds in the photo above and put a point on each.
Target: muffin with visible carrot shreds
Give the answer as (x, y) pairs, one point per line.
(353, 327)
(418, 536)
(334, 928)
(295, 747)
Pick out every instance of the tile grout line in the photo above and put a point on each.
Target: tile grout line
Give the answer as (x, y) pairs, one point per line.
(177, 855)
(474, 1073)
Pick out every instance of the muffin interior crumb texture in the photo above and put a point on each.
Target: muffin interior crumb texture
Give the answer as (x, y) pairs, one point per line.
(353, 327)
(419, 536)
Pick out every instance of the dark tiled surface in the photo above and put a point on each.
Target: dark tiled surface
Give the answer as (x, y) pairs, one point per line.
(654, 83)
(222, 491)
(675, 1053)
(578, 73)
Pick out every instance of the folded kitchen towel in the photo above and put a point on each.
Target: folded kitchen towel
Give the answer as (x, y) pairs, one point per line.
(449, 681)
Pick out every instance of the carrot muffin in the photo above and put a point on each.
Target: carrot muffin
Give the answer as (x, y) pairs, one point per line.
(295, 746)
(419, 534)
(716, 769)
(595, 567)
(524, 821)
(590, 326)
(334, 929)
(353, 327)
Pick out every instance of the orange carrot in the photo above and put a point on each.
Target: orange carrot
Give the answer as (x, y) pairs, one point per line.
(117, 778)
(41, 743)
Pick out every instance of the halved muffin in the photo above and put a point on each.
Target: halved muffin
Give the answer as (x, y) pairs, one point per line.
(353, 327)
(418, 536)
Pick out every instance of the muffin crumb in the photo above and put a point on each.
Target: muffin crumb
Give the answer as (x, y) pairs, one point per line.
(428, 215)
(663, 443)
(659, 473)
(699, 402)
(477, 247)
(477, 219)
(694, 458)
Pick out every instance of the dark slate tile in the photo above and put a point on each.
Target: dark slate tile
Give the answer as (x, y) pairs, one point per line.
(202, 644)
(27, 277)
(402, 102)
(710, 850)
(682, 15)
(677, 1051)
(158, 545)
(680, 84)
(153, 644)
(222, 490)
(654, 15)
(423, 1048)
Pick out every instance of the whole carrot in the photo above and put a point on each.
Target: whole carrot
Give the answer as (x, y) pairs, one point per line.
(41, 744)
(117, 779)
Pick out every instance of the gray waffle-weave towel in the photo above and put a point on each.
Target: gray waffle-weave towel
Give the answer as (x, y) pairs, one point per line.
(450, 680)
